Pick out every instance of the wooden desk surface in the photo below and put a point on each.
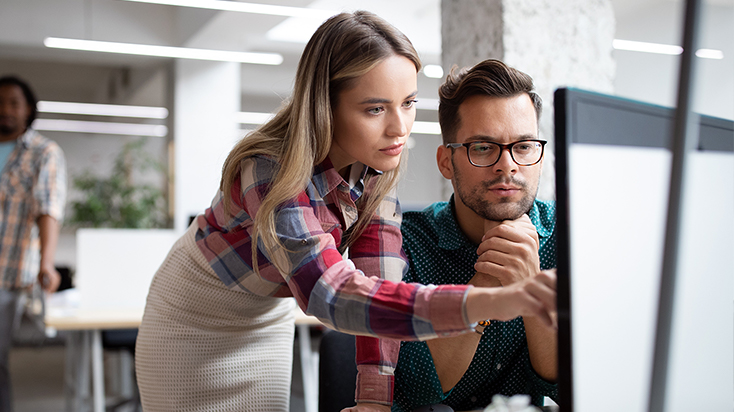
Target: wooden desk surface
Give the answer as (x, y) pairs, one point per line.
(83, 319)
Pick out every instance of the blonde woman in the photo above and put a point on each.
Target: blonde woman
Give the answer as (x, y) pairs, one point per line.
(306, 209)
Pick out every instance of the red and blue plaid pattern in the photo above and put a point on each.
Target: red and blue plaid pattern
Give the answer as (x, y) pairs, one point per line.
(360, 295)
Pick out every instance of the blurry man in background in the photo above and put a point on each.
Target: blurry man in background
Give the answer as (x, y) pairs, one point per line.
(32, 198)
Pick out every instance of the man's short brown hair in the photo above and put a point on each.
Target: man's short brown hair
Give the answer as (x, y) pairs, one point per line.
(491, 78)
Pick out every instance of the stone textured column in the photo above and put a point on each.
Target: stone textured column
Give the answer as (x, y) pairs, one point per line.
(558, 43)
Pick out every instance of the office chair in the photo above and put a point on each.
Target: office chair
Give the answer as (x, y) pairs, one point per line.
(337, 371)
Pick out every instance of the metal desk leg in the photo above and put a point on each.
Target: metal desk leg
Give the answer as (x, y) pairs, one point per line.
(127, 387)
(309, 372)
(76, 372)
(83, 396)
(98, 371)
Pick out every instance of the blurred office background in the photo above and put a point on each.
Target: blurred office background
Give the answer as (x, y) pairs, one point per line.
(190, 112)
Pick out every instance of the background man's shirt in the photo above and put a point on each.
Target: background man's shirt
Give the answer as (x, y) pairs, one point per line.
(32, 184)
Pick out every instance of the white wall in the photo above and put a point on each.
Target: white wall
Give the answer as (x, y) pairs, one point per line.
(206, 98)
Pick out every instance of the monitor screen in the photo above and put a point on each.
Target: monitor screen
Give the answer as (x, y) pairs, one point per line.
(613, 164)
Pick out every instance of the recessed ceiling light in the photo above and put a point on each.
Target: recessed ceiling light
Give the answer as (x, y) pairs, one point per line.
(426, 128)
(242, 7)
(78, 126)
(163, 51)
(256, 118)
(710, 54)
(658, 48)
(433, 71)
(94, 109)
(427, 104)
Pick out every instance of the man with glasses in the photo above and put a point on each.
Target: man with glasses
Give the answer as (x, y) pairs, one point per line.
(493, 232)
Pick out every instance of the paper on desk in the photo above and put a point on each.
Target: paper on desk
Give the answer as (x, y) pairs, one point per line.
(516, 403)
(62, 302)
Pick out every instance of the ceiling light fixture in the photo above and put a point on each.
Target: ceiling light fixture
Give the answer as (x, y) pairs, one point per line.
(426, 128)
(254, 8)
(255, 118)
(78, 126)
(94, 109)
(433, 71)
(426, 104)
(710, 54)
(657, 48)
(163, 51)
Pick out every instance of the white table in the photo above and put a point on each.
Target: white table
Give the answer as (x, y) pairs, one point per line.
(86, 326)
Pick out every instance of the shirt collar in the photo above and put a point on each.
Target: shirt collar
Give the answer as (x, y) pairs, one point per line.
(326, 178)
(450, 236)
(545, 224)
(25, 138)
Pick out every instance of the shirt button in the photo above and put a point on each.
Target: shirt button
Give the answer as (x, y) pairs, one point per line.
(473, 399)
(499, 366)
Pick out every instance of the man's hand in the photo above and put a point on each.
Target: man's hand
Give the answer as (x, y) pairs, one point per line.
(48, 229)
(509, 251)
(49, 279)
(368, 407)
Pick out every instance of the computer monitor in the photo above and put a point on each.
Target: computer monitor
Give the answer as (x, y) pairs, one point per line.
(613, 163)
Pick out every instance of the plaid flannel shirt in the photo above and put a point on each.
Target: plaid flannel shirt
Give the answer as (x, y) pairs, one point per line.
(32, 184)
(360, 295)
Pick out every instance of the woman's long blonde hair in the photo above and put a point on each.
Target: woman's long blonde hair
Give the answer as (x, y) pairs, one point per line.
(344, 47)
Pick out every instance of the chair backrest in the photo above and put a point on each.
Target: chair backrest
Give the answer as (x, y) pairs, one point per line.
(337, 371)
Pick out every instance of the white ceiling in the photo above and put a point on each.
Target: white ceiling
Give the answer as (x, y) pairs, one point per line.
(25, 23)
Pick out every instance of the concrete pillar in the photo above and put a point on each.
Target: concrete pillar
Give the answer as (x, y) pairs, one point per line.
(558, 43)
(206, 96)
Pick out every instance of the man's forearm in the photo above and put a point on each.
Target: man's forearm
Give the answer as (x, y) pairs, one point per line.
(452, 357)
(543, 348)
(48, 229)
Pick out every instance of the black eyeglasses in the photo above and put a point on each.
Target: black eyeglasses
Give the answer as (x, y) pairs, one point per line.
(485, 154)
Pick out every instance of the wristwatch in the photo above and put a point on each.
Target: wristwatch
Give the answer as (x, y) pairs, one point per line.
(481, 325)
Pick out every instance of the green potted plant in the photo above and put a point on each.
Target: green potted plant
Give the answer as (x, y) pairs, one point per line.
(116, 201)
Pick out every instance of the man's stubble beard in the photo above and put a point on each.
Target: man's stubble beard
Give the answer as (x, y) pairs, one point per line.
(6, 131)
(505, 209)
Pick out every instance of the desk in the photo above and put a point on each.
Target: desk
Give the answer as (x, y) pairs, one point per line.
(85, 333)
(86, 325)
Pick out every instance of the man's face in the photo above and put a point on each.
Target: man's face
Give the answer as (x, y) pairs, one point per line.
(14, 111)
(505, 190)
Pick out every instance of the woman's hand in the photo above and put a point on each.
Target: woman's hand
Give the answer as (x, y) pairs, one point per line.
(368, 407)
(534, 296)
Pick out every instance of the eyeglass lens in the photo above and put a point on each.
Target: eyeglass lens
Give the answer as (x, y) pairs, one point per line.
(488, 153)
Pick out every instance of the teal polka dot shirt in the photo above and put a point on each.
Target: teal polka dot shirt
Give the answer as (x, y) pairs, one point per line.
(440, 253)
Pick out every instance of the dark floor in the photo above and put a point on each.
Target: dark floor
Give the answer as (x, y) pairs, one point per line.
(37, 375)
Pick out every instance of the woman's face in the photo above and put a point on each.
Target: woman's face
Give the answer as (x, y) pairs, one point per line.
(372, 120)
